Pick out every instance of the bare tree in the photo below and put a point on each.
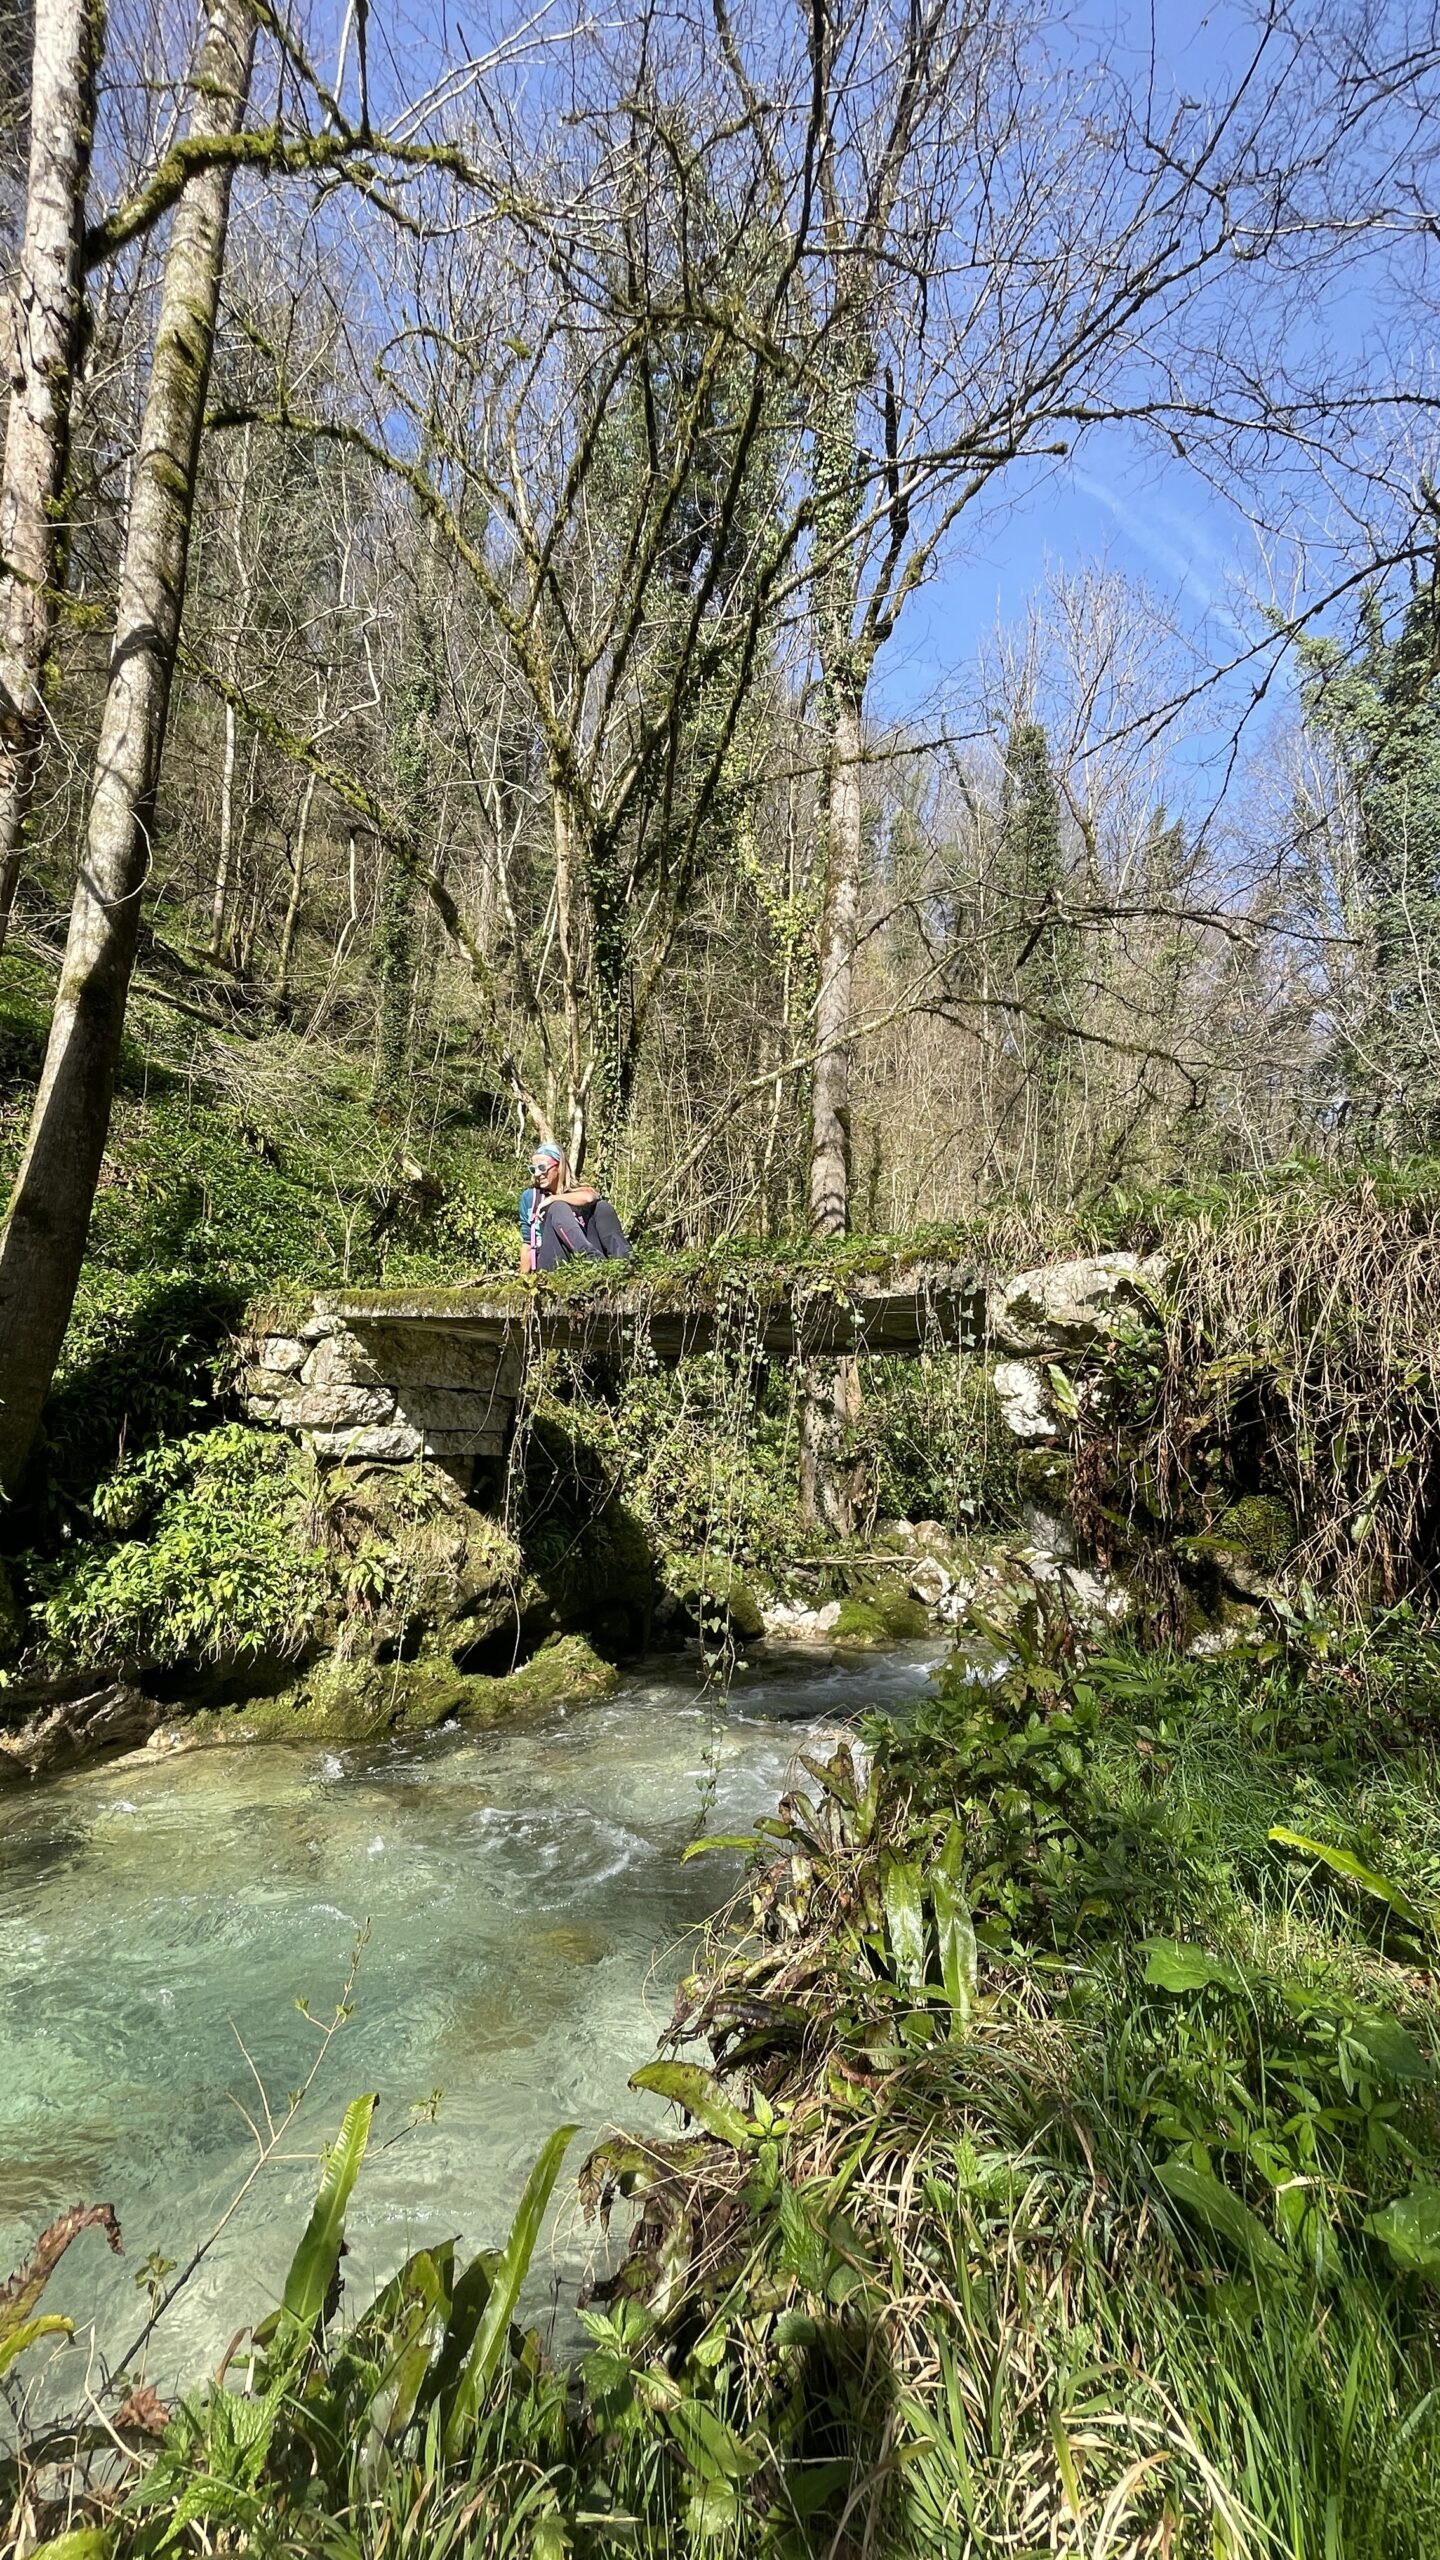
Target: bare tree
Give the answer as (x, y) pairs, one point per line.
(43, 1242)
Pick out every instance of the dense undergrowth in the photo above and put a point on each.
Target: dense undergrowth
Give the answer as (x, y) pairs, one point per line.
(1063, 2175)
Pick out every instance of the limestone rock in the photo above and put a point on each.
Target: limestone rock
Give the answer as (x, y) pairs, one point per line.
(932, 1539)
(389, 1444)
(929, 1582)
(477, 1440)
(1026, 1404)
(1050, 1533)
(265, 1381)
(1095, 1600)
(337, 1408)
(417, 1356)
(792, 1622)
(340, 1361)
(282, 1352)
(1069, 1307)
(458, 1409)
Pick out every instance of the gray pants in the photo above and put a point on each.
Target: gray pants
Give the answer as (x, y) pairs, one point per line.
(595, 1234)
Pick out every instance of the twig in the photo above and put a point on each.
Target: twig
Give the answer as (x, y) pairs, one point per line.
(265, 2153)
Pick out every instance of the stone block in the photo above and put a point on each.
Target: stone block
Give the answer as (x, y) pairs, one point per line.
(929, 1582)
(1050, 1533)
(340, 1361)
(419, 1355)
(1068, 1307)
(281, 1352)
(336, 1408)
(490, 1442)
(1024, 1400)
(385, 1444)
(451, 1408)
(269, 1382)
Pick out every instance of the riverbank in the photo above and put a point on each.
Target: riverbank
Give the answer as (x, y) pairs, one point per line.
(1068, 2177)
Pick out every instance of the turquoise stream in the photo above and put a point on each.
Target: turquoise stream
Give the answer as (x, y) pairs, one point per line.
(528, 1916)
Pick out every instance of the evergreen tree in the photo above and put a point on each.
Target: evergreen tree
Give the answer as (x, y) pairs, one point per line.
(1034, 876)
(1379, 710)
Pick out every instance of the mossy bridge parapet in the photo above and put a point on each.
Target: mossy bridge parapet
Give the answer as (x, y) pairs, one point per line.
(394, 1374)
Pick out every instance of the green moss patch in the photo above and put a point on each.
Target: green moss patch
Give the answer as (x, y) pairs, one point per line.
(875, 1615)
(344, 1700)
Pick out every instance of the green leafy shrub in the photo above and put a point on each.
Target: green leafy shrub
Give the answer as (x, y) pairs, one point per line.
(935, 1443)
(145, 1359)
(1081, 2124)
(209, 1562)
(704, 1461)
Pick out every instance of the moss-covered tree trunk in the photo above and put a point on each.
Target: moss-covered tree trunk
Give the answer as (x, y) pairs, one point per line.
(830, 1397)
(830, 1401)
(45, 314)
(413, 763)
(835, 999)
(43, 1243)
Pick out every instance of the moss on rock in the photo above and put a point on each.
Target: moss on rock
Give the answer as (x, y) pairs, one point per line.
(563, 1672)
(1260, 1526)
(344, 1700)
(438, 1561)
(877, 1614)
(1045, 1477)
(1247, 1546)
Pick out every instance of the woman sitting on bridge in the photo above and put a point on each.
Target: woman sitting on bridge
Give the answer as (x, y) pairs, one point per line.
(560, 1217)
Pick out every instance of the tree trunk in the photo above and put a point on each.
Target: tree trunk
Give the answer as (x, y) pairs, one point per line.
(225, 853)
(43, 1244)
(834, 1005)
(830, 1390)
(297, 892)
(220, 900)
(45, 315)
(576, 1089)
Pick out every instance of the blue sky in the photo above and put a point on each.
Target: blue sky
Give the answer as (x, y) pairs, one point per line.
(1118, 503)
(1125, 503)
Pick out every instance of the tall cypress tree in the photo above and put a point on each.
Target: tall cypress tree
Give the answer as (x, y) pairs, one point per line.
(1379, 709)
(1033, 865)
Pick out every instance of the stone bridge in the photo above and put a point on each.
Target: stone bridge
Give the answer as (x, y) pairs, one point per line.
(389, 1375)
(395, 1374)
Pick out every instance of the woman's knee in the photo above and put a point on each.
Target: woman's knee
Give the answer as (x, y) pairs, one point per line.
(562, 1233)
(609, 1234)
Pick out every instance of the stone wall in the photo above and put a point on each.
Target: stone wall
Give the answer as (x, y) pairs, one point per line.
(384, 1394)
